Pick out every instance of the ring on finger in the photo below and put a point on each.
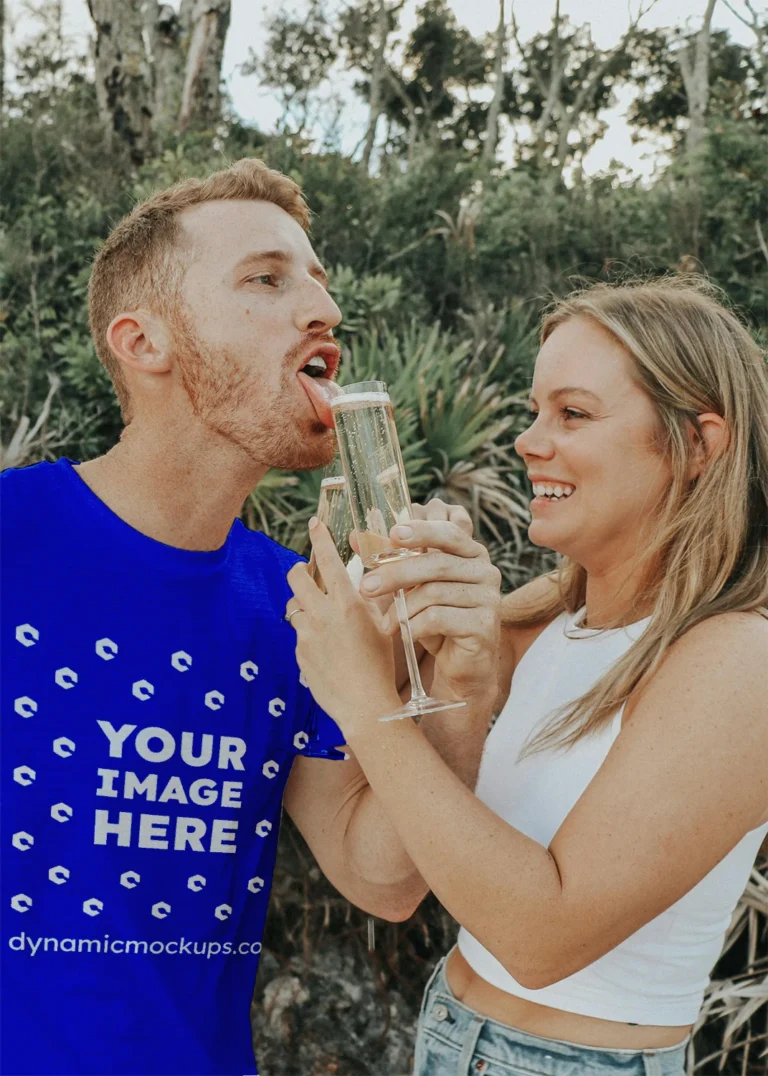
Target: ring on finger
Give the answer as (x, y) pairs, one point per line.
(293, 612)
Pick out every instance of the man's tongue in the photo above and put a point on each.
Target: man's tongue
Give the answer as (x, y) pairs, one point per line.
(320, 391)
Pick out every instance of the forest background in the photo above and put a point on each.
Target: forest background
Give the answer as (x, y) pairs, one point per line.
(463, 207)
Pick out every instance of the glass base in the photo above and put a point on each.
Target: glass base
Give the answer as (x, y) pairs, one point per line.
(416, 708)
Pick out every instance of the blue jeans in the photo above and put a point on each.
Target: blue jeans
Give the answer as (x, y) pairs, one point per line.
(453, 1040)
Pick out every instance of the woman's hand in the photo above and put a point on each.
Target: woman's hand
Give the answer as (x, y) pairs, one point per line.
(453, 599)
(341, 645)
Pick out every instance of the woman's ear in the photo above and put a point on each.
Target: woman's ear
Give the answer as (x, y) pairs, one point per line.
(712, 440)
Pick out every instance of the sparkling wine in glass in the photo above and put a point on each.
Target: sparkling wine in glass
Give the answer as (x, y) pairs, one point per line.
(333, 510)
(378, 499)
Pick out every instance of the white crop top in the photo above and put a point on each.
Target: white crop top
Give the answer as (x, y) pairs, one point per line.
(659, 973)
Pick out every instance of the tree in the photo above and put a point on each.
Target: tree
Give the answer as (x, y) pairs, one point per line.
(157, 72)
(661, 103)
(2, 51)
(200, 95)
(431, 97)
(298, 55)
(694, 65)
(492, 129)
(360, 26)
(760, 29)
(570, 79)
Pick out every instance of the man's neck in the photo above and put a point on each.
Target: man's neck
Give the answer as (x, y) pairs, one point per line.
(182, 488)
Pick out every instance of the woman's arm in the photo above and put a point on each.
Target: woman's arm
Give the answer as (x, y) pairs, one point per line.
(684, 781)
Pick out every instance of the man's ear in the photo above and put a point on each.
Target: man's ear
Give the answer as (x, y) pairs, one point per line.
(712, 442)
(141, 341)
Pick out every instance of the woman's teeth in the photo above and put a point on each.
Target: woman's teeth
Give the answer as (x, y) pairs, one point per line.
(543, 489)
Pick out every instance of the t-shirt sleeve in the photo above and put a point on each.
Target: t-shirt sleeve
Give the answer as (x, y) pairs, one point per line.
(324, 734)
(318, 735)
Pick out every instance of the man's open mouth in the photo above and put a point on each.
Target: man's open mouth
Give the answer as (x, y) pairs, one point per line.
(316, 376)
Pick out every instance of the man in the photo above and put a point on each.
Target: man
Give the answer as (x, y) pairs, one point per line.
(152, 705)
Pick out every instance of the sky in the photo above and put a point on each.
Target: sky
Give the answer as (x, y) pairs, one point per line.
(608, 18)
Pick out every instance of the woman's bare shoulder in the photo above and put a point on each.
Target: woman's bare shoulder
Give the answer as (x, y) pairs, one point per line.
(730, 650)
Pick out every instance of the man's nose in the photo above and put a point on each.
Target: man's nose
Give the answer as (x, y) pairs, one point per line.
(317, 312)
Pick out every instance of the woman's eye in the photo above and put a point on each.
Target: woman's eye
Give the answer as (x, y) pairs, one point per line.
(571, 412)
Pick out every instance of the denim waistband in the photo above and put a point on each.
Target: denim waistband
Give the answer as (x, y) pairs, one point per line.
(474, 1035)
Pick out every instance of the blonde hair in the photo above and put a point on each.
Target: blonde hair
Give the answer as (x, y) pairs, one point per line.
(709, 554)
(142, 261)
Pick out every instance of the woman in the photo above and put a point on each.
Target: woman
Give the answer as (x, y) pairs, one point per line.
(623, 792)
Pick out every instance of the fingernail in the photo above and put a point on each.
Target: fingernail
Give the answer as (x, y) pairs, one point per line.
(313, 523)
(371, 583)
(404, 532)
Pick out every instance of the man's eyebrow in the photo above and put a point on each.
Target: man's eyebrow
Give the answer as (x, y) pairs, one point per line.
(569, 390)
(282, 257)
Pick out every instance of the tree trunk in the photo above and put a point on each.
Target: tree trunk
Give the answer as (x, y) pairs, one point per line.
(552, 105)
(492, 129)
(2, 52)
(166, 36)
(122, 75)
(201, 92)
(694, 65)
(377, 79)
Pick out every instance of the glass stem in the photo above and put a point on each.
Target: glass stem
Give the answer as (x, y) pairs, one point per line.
(417, 691)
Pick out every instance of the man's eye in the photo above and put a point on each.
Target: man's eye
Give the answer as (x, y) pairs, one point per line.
(263, 278)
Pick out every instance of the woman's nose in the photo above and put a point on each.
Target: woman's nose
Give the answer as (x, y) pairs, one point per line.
(534, 442)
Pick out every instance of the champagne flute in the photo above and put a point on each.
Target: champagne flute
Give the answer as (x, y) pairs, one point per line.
(378, 498)
(333, 511)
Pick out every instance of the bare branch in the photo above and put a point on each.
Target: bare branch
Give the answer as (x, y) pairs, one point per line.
(761, 240)
(754, 24)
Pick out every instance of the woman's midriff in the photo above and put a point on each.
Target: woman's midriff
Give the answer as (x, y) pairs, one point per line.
(476, 993)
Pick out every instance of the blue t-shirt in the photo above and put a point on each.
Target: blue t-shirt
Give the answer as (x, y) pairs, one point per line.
(151, 710)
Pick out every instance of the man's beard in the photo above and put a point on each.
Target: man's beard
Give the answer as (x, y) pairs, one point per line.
(268, 428)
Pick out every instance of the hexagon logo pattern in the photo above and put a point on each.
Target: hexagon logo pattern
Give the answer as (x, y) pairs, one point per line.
(142, 689)
(93, 906)
(263, 827)
(181, 660)
(214, 700)
(130, 879)
(276, 707)
(64, 747)
(22, 840)
(106, 649)
(270, 769)
(161, 910)
(24, 706)
(24, 775)
(255, 884)
(249, 670)
(27, 636)
(195, 882)
(65, 677)
(62, 812)
(300, 741)
(58, 875)
(21, 902)
(223, 911)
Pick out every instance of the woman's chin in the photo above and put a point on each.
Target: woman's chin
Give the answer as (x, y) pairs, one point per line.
(542, 533)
